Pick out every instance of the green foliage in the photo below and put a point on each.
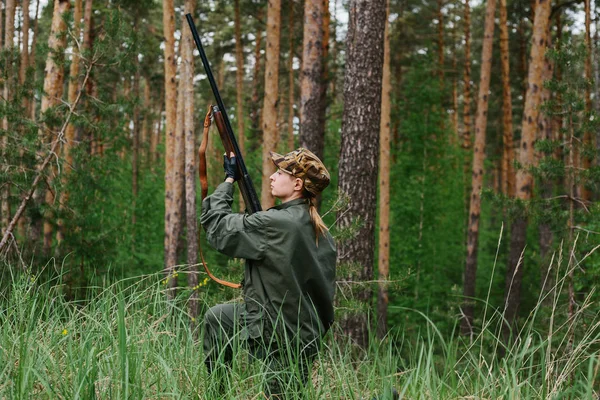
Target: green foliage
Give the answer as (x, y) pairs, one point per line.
(427, 204)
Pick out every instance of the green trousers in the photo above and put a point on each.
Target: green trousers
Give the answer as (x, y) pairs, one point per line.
(284, 373)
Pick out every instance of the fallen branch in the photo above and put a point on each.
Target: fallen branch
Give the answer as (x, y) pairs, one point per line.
(51, 154)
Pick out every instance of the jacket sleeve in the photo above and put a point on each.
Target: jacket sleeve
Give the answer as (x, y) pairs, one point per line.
(235, 235)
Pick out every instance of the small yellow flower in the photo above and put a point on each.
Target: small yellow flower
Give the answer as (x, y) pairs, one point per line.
(193, 319)
(64, 332)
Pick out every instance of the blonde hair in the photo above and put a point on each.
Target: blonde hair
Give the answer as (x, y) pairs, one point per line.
(315, 218)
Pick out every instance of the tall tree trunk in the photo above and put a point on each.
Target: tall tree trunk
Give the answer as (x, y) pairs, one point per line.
(156, 133)
(546, 132)
(69, 141)
(91, 87)
(571, 179)
(135, 148)
(596, 65)
(522, 59)
(477, 171)
(325, 73)
(190, 159)
(22, 76)
(311, 136)
(53, 88)
(1, 25)
(292, 83)
(586, 161)
(178, 184)
(524, 181)
(256, 139)
(239, 80)
(9, 31)
(32, 103)
(455, 137)
(466, 136)
(332, 80)
(25, 50)
(171, 211)
(440, 49)
(270, 131)
(508, 177)
(146, 121)
(558, 119)
(384, 184)
(359, 157)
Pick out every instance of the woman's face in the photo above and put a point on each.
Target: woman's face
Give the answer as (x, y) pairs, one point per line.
(285, 186)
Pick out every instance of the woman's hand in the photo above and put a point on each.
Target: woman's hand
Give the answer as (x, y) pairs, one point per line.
(231, 168)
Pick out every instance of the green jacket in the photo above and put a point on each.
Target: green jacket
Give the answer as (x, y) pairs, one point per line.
(286, 273)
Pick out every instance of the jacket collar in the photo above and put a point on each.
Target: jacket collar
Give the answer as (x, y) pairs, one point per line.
(290, 203)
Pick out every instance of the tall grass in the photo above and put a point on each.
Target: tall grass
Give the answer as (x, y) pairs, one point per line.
(126, 341)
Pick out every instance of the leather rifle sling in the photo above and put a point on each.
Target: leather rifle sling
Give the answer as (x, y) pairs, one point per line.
(204, 192)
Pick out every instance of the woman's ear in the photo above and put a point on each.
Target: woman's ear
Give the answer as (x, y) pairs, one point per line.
(298, 184)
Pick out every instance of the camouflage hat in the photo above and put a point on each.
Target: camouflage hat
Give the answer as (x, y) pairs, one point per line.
(303, 164)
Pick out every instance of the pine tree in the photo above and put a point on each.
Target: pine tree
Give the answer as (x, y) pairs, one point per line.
(311, 135)
(359, 155)
(477, 171)
(171, 212)
(270, 130)
(524, 179)
(384, 185)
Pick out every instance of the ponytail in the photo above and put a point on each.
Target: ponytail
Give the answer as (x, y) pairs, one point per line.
(315, 218)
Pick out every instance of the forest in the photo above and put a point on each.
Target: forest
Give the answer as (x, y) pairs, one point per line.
(463, 142)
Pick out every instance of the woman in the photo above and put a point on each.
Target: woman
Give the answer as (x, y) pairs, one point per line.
(289, 275)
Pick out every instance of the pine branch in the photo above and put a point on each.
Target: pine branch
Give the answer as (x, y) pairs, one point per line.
(51, 154)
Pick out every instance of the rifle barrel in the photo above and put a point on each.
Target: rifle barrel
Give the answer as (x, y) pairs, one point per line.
(245, 183)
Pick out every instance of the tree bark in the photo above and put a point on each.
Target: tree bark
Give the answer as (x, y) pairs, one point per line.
(239, 79)
(454, 139)
(148, 118)
(508, 175)
(32, 103)
(91, 87)
(70, 131)
(359, 156)
(466, 136)
(135, 148)
(1, 26)
(311, 135)
(586, 161)
(190, 163)
(53, 89)
(255, 111)
(8, 41)
(325, 73)
(477, 171)
(546, 132)
(270, 131)
(292, 83)
(25, 43)
(524, 181)
(384, 185)
(178, 183)
(440, 49)
(171, 212)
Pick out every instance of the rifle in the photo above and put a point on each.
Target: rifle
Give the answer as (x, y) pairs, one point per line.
(230, 144)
